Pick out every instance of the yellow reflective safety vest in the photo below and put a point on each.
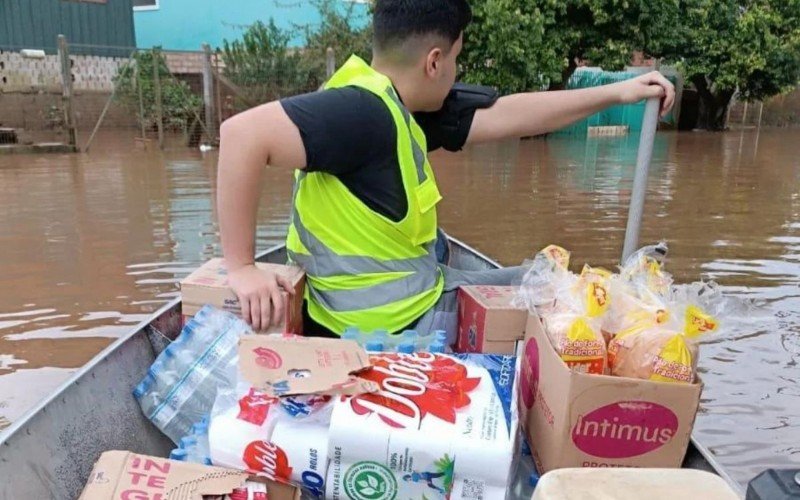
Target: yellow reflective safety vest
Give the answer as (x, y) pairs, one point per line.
(363, 269)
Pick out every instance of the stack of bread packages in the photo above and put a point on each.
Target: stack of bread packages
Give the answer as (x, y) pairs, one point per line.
(635, 323)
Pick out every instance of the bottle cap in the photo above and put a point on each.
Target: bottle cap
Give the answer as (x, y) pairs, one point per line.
(374, 345)
(178, 454)
(406, 347)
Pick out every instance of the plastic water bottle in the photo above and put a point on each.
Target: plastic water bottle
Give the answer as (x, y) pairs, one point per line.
(441, 336)
(374, 345)
(181, 385)
(437, 347)
(200, 433)
(406, 347)
(351, 333)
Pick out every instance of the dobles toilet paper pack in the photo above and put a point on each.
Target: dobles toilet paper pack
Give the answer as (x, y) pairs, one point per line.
(435, 418)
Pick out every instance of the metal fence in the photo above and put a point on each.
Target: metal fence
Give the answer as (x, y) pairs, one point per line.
(159, 98)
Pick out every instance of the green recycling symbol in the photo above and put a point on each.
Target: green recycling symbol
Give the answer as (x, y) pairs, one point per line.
(370, 481)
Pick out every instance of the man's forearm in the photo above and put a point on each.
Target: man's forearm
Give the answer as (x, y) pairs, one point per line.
(534, 113)
(238, 191)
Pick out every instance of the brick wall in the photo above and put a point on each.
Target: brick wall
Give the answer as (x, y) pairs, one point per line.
(21, 74)
(40, 110)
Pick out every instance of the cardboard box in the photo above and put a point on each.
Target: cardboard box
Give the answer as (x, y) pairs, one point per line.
(208, 284)
(580, 420)
(123, 474)
(291, 365)
(487, 322)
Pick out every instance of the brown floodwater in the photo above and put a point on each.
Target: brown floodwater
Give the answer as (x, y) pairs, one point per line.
(90, 244)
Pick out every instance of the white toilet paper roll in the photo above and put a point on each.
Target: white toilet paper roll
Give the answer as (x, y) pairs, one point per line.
(306, 448)
(353, 437)
(471, 457)
(229, 436)
(333, 481)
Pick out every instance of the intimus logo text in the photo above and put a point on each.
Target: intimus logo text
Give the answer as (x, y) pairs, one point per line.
(624, 429)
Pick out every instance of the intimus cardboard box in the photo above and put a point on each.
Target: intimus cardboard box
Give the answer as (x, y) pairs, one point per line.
(121, 475)
(487, 322)
(208, 284)
(580, 420)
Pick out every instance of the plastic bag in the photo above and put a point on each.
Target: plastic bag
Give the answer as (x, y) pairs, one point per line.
(181, 385)
(659, 352)
(578, 341)
(644, 268)
(545, 280)
(632, 305)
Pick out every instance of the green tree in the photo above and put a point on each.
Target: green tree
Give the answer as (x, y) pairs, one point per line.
(179, 104)
(346, 29)
(749, 45)
(263, 65)
(519, 45)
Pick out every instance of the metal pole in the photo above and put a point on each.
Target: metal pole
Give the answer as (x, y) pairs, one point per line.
(330, 63)
(66, 92)
(208, 92)
(141, 99)
(760, 112)
(646, 139)
(218, 91)
(744, 115)
(157, 88)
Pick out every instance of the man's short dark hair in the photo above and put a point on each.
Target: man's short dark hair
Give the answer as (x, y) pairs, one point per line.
(395, 21)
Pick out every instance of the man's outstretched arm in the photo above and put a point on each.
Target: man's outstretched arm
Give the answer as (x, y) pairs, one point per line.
(534, 113)
(249, 142)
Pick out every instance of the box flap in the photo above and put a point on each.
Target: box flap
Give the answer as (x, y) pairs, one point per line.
(289, 365)
(119, 472)
(493, 297)
(214, 274)
(123, 474)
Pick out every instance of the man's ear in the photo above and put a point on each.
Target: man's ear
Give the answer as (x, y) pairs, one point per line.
(433, 62)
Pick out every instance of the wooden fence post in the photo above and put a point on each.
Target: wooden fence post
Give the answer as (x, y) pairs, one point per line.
(159, 106)
(330, 63)
(66, 92)
(208, 94)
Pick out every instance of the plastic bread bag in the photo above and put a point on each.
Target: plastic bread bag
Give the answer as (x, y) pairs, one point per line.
(576, 332)
(547, 275)
(632, 305)
(644, 268)
(660, 352)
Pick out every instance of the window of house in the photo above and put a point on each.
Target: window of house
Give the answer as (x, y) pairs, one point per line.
(145, 4)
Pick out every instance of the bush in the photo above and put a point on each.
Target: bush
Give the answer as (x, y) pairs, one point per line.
(265, 67)
(179, 104)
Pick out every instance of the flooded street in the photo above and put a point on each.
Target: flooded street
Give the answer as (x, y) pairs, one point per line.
(91, 244)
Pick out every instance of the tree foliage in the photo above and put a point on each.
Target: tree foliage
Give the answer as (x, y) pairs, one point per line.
(745, 45)
(343, 28)
(262, 64)
(519, 45)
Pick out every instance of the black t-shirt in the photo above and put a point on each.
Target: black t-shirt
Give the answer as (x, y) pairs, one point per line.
(349, 132)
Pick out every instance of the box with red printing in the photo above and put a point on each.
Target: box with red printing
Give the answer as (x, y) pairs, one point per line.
(487, 321)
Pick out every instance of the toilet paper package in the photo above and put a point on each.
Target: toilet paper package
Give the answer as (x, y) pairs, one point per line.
(284, 439)
(431, 429)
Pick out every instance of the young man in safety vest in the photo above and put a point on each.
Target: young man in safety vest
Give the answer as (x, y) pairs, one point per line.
(363, 222)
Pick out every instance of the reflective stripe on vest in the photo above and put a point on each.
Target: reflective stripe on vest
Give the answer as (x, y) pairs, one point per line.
(324, 263)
